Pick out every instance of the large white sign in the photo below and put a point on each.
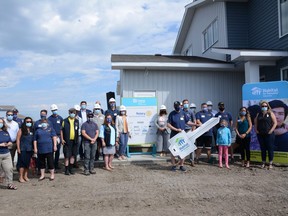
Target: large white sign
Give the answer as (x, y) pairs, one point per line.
(141, 113)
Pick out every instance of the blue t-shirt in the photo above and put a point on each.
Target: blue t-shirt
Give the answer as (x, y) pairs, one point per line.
(90, 128)
(38, 125)
(224, 115)
(26, 142)
(204, 116)
(56, 122)
(177, 120)
(44, 140)
(4, 137)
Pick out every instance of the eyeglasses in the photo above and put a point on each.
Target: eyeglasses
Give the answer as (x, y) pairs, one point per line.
(28, 121)
(9, 114)
(97, 109)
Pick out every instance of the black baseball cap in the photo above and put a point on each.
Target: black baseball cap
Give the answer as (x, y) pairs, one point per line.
(220, 104)
(177, 103)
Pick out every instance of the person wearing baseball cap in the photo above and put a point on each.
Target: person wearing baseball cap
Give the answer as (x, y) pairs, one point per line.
(15, 117)
(176, 122)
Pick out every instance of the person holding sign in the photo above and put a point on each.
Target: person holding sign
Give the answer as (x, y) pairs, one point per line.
(177, 120)
(265, 124)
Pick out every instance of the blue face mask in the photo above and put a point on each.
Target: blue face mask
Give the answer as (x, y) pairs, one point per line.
(186, 106)
(9, 118)
(222, 125)
(97, 112)
(243, 113)
(55, 112)
(72, 115)
(44, 125)
(109, 120)
(15, 116)
(264, 108)
(83, 106)
(205, 109)
(112, 104)
(28, 124)
(1, 125)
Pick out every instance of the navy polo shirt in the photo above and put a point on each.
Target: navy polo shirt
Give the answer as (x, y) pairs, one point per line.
(90, 128)
(56, 122)
(113, 113)
(177, 120)
(204, 116)
(4, 137)
(44, 140)
(38, 123)
(225, 115)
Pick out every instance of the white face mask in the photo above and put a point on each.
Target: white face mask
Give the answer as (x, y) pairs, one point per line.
(123, 112)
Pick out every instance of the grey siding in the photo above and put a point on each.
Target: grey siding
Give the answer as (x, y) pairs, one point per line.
(237, 24)
(264, 26)
(196, 86)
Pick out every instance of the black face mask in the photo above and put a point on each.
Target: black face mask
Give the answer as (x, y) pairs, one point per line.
(221, 108)
(177, 108)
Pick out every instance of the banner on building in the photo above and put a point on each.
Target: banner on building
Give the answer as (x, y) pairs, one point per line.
(141, 113)
(276, 94)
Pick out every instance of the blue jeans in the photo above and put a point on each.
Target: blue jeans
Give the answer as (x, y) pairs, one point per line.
(123, 143)
(89, 155)
(266, 142)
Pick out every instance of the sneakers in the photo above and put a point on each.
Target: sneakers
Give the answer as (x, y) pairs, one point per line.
(174, 168)
(263, 166)
(86, 173)
(270, 166)
(183, 169)
(92, 172)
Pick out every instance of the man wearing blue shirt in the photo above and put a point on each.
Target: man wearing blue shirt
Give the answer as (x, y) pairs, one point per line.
(205, 140)
(56, 121)
(177, 120)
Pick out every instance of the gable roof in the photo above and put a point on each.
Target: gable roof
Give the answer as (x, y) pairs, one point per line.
(167, 62)
(187, 20)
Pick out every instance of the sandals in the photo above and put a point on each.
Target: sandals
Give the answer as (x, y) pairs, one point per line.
(12, 187)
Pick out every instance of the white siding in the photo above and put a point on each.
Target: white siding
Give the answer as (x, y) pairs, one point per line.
(196, 86)
(202, 18)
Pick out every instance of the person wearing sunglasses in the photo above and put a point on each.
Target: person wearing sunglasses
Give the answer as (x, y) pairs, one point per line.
(265, 124)
(12, 128)
(24, 144)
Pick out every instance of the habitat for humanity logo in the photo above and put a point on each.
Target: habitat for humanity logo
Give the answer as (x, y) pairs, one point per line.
(265, 92)
(182, 143)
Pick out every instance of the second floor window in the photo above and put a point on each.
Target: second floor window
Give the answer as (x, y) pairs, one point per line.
(210, 35)
(284, 74)
(283, 17)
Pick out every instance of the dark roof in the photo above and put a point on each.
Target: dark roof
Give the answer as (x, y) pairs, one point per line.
(6, 107)
(162, 59)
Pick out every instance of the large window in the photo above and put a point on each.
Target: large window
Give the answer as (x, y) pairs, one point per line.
(210, 35)
(283, 17)
(284, 74)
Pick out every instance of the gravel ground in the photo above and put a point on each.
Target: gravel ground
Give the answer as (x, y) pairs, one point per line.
(152, 189)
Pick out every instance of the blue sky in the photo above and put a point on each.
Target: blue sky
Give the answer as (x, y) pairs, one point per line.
(59, 51)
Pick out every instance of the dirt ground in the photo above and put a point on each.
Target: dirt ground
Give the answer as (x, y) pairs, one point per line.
(152, 189)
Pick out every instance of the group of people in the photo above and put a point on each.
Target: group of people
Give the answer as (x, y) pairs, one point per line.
(185, 118)
(84, 132)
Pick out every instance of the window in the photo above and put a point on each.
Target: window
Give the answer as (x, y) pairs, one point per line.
(283, 17)
(284, 74)
(210, 35)
(188, 51)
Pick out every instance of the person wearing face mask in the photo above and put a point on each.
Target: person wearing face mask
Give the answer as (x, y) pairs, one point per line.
(45, 144)
(189, 127)
(90, 134)
(56, 122)
(109, 140)
(24, 143)
(69, 137)
(223, 141)
(38, 123)
(205, 140)
(5, 156)
(112, 109)
(78, 108)
(99, 103)
(12, 128)
(228, 117)
(177, 120)
(163, 132)
(243, 128)
(83, 115)
(193, 108)
(98, 118)
(265, 123)
(123, 132)
(15, 117)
